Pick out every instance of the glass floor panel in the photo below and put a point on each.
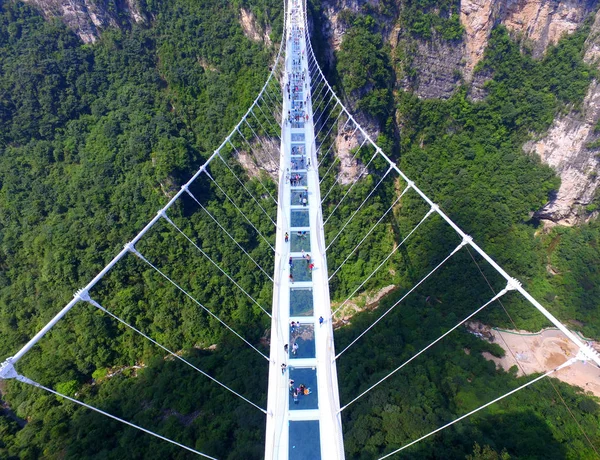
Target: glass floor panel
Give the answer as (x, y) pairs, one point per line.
(304, 339)
(300, 242)
(301, 302)
(297, 149)
(305, 442)
(298, 163)
(298, 196)
(306, 376)
(299, 218)
(298, 179)
(297, 137)
(300, 271)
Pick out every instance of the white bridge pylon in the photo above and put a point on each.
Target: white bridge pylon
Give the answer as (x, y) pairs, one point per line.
(303, 409)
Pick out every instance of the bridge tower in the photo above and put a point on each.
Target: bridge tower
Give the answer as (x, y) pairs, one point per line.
(303, 407)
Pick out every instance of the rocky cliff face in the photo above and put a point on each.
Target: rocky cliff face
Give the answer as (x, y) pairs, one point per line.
(88, 18)
(569, 148)
(437, 67)
(538, 23)
(251, 28)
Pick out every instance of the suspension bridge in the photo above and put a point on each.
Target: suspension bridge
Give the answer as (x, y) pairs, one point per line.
(291, 128)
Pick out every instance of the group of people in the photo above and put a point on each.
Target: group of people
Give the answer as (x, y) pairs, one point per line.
(297, 114)
(300, 390)
(299, 234)
(296, 80)
(295, 179)
(294, 345)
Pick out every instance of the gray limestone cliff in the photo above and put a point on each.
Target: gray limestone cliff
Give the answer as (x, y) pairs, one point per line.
(88, 18)
(572, 147)
(435, 68)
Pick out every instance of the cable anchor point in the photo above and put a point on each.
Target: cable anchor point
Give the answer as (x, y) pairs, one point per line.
(587, 353)
(513, 284)
(131, 248)
(434, 208)
(467, 239)
(7, 370)
(83, 295)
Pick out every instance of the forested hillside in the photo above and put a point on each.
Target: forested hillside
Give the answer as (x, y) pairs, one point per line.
(95, 138)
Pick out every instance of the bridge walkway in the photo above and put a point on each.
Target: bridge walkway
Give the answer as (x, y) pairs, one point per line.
(303, 401)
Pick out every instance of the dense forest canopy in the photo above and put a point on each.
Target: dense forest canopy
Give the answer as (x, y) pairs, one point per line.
(95, 138)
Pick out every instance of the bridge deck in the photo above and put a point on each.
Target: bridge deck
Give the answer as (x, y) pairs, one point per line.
(301, 426)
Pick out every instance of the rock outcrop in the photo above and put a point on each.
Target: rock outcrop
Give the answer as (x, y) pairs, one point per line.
(347, 142)
(568, 148)
(251, 28)
(439, 68)
(538, 23)
(477, 18)
(88, 18)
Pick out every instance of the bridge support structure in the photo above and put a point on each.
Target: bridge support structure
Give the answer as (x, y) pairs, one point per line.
(303, 409)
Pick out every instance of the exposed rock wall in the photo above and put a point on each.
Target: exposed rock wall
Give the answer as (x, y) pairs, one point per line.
(477, 17)
(538, 23)
(439, 68)
(86, 17)
(543, 22)
(251, 28)
(565, 149)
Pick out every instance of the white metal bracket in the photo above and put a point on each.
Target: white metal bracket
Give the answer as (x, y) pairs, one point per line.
(7, 370)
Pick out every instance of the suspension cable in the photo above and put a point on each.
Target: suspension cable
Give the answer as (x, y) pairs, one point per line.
(267, 133)
(259, 181)
(227, 233)
(335, 182)
(246, 189)
(260, 140)
(324, 157)
(329, 132)
(268, 120)
(336, 159)
(240, 211)
(423, 350)
(324, 110)
(464, 242)
(323, 125)
(357, 209)
(431, 211)
(267, 152)
(519, 363)
(531, 382)
(175, 355)
(28, 381)
(214, 263)
(366, 168)
(138, 254)
(370, 231)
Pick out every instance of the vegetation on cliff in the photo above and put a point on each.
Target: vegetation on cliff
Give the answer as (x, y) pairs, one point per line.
(94, 139)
